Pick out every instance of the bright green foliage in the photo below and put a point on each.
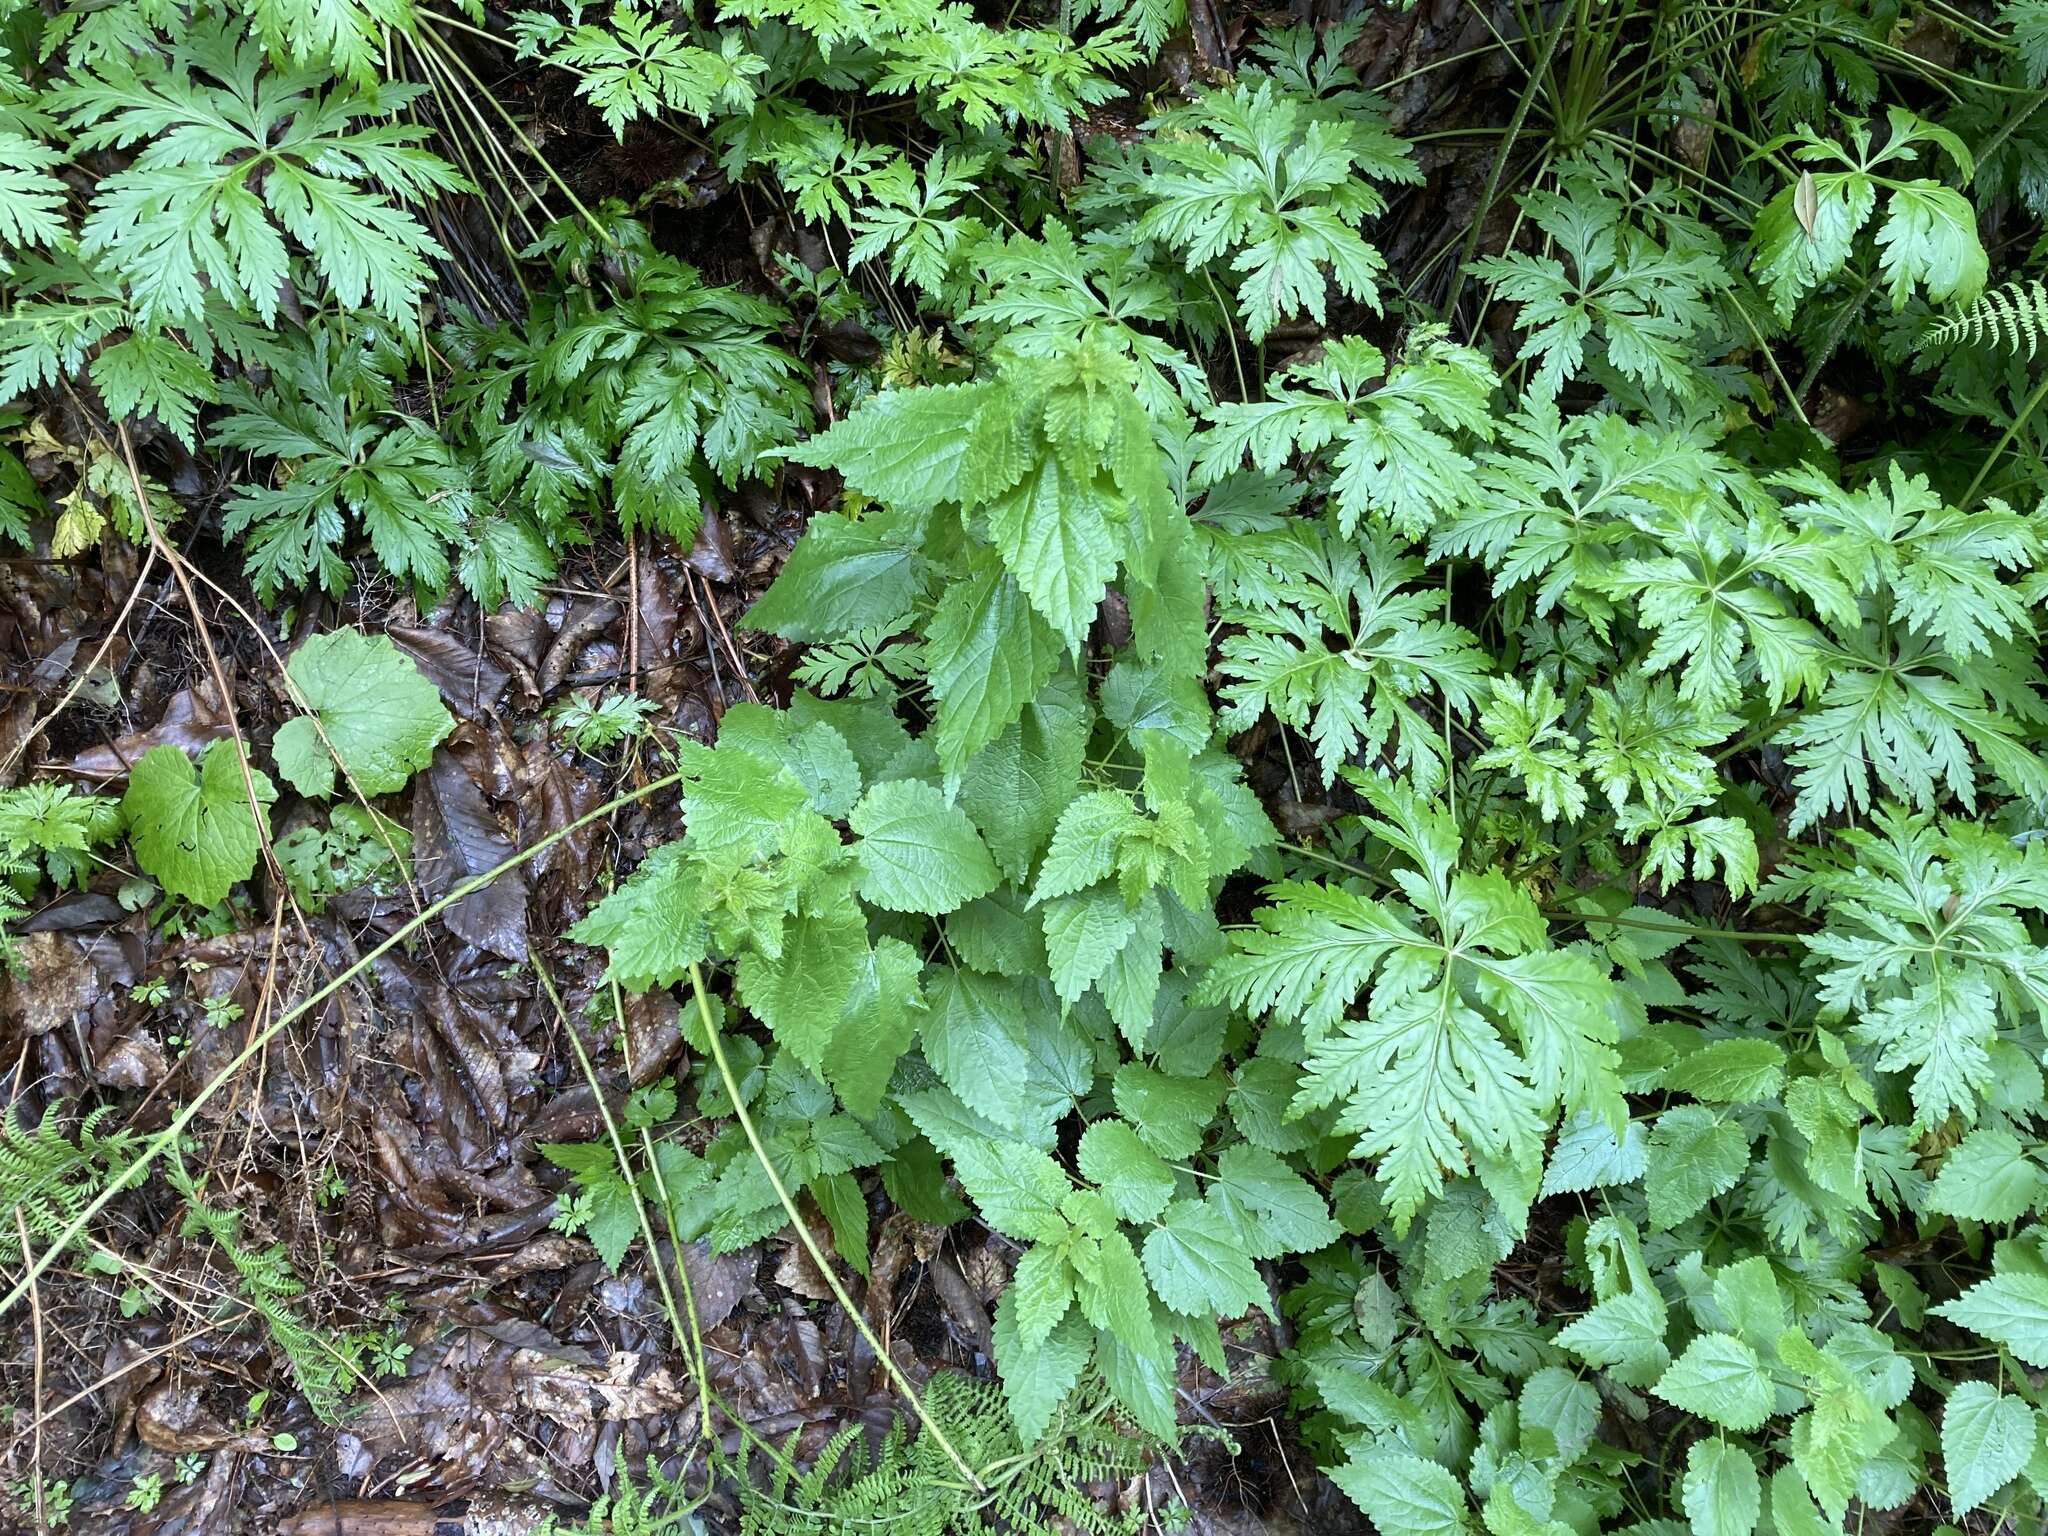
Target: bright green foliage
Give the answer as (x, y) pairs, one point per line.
(1926, 240)
(369, 707)
(356, 848)
(1467, 775)
(644, 396)
(1303, 588)
(226, 172)
(49, 1175)
(31, 199)
(1986, 1438)
(1033, 1488)
(916, 852)
(1924, 942)
(198, 832)
(1399, 453)
(1429, 1083)
(1640, 303)
(54, 829)
(638, 65)
(353, 459)
(1256, 175)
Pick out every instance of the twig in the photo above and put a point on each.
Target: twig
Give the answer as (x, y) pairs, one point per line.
(78, 681)
(168, 1137)
(710, 604)
(35, 1304)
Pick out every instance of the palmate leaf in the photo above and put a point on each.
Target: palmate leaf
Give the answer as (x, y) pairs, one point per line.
(638, 65)
(1925, 942)
(1400, 428)
(1643, 302)
(1053, 292)
(1426, 1076)
(1559, 498)
(1917, 724)
(1278, 189)
(1333, 646)
(190, 214)
(635, 400)
(913, 221)
(1940, 569)
(392, 473)
(987, 74)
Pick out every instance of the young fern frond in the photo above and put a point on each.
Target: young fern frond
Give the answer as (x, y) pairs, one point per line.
(2006, 316)
(325, 1365)
(909, 1487)
(47, 1178)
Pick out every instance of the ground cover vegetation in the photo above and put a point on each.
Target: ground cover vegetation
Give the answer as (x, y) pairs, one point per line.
(809, 763)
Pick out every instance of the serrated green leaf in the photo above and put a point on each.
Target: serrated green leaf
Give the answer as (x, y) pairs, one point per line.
(1084, 934)
(989, 654)
(1694, 1156)
(1730, 1072)
(1274, 1210)
(1986, 1438)
(652, 927)
(1016, 787)
(1987, 1176)
(1170, 1113)
(2008, 1309)
(1198, 1265)
(1721, 1379)
(197, 832)
(1037, 1379)
(844, 574)
(1402, 1494)
(379, 714)
(1041, 1289)
(904, 448)
(1130, 1174)
(1720, 1492)
(917, 853)
(974, 1038)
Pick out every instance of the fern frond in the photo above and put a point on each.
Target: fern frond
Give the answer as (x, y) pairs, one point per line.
(49, 1178)
(326, 1365)
(2005, 316)
(911, 1488)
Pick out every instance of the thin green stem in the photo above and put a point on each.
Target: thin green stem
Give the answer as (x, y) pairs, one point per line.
(810, 1243)
(1500, 161)
(167, 1138)
(2026, 411)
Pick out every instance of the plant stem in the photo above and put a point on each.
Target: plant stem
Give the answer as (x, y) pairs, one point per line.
(803, 1233)
(168, 1137)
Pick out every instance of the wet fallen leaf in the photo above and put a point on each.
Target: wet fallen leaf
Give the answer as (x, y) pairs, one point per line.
(455, 838)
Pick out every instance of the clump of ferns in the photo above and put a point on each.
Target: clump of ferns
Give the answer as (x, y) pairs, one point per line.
(911, 1487)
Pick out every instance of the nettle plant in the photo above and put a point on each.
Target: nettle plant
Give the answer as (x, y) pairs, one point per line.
(1011, 926)
(988, 902)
